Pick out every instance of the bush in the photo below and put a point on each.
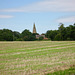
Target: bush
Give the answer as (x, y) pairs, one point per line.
(41, 38)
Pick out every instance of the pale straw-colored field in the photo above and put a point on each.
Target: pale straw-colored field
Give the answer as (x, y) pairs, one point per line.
(36, 57)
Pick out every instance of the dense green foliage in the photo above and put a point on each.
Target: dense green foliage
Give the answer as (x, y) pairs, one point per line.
(41, 38)
(63, 33)
(6, 35)
(16, 36)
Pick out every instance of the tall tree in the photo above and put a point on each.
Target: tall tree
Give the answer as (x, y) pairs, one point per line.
(26, 34)
(16, 35)
(51, 34)
(6, 35)
(62, 31)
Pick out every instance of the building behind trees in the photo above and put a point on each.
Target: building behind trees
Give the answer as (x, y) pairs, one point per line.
(62, 34)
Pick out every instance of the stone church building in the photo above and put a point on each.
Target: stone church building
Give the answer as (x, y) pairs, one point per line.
(34, 29)
(37, 36)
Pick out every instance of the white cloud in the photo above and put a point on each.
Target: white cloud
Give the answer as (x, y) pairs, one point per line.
(66, 19)
(6, 16)
(46, 6)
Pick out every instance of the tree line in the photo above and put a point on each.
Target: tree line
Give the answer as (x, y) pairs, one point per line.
(9, 35)
(62, 34)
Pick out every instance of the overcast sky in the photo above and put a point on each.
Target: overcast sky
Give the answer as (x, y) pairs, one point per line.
(18, 15)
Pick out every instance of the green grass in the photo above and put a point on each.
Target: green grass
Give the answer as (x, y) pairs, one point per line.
(70, 71)
(36, 57)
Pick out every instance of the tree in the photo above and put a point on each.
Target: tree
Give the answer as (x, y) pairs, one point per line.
(33, 37)
(72, 32)
(16, 35)
(41, 38)
(51, 34)
(1, 35)
(26, 35)
(58, 37)
(62, 31)
(6, 35)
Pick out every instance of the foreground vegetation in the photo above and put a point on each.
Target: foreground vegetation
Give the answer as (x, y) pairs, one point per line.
(36, 58)
(70, 71)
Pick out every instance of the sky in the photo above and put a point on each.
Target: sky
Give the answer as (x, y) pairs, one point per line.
(18, 15)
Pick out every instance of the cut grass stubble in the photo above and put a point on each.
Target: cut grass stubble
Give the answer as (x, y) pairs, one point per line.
(35, 57)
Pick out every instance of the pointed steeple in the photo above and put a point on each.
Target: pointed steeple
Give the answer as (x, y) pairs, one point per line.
(34, 28)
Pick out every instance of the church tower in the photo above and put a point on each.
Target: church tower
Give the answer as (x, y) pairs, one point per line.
(34, 28)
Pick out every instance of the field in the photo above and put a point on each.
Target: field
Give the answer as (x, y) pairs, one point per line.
(36, 57)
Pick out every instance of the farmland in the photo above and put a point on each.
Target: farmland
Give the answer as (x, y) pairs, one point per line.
(36, 57)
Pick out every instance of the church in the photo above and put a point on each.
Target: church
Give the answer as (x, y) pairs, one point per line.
(37, 36)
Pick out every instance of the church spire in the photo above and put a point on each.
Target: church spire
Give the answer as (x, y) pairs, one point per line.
(34, 28)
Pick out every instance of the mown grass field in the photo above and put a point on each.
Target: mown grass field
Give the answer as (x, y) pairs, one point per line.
(36, 57)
